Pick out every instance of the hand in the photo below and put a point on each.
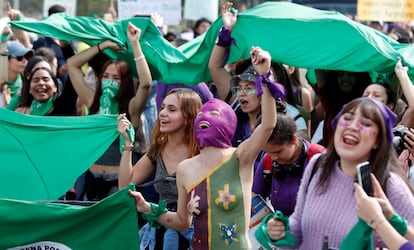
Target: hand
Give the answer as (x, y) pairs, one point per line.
(399, 69)
(409, 140)
(142, 205)
(229, 18)
(193, 204)
(261, 60)
(275, 229)
(12, 13)
(133, 33)
(111, 45)
(368, 208)
(157, 19)
(6, 34)
(379, 194)
(112, 11)
(6, 94)
(123, 125)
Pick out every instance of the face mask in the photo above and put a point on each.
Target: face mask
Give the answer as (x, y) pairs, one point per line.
(41, 108)
(107, 102)
(215, 125)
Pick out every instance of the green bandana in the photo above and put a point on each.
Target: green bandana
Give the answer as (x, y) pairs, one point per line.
(360, 237)
(42, 108)
(263, 237)
(15, 86)
(108, 102)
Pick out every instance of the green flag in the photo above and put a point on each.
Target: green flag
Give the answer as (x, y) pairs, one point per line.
(42, 156)
(109, 224)
(293, 34)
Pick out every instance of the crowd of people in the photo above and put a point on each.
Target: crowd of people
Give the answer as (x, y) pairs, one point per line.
(197, 153)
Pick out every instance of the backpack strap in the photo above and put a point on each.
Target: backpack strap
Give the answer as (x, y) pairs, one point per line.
(315, 149)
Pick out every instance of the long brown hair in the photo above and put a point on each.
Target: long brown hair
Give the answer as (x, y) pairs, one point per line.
(190, 105)
(126, 90)
(383, 159)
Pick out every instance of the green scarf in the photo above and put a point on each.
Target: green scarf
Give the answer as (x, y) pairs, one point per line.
(108, 102)
(42, 108)
(15, 86)
(359, 238)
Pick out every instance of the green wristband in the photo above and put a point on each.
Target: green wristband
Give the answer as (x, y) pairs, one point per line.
(399, 223)
(156, 211)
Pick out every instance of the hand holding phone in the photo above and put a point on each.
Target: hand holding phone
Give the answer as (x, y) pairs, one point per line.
(364, 177)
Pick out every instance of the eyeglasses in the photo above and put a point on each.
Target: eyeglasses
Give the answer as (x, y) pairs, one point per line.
(248, 90)
(20, 58)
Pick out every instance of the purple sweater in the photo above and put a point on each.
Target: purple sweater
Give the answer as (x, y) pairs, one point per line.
(333, 213)
(407, 246)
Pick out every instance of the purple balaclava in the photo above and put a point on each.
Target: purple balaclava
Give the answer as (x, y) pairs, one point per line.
(215, 125)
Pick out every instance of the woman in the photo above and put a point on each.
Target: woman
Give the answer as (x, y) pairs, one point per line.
(114, 94)
(240, 87)
(363, 132)
(41, 94)
(172, 141)
(214, 187)
(377, 212)
(384, 94)
(346, 85)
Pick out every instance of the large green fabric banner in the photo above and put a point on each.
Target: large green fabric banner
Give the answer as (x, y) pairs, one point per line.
(42, 156)
(109, 224)
(293, 34)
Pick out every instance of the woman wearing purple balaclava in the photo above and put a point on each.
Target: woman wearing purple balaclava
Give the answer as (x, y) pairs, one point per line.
(214, 187)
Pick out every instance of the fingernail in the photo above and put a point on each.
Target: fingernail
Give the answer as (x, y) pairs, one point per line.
(137, 198)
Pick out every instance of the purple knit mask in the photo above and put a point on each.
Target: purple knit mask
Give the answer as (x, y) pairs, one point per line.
(215, 124)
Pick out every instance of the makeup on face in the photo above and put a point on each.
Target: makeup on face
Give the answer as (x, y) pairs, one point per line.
(347, 120)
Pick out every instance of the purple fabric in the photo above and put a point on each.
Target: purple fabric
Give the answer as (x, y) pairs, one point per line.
(332, 213)
(389, 117)
(202, 90)
(276, 89)
(215, 129)
(224, 37)
(224, 40)
(407, 246)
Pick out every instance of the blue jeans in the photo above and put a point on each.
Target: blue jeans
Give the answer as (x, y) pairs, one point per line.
(147, 237)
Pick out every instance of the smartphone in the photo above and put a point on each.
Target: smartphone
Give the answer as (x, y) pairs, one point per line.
(364, 177)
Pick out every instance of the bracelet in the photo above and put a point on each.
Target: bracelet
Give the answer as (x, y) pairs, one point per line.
(127, 148)
(156, 211)
(138, 58)
(99, 49)
(374, 224)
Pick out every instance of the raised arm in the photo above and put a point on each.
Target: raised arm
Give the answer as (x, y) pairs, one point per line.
(408, 89)
(369, 210)
(74, 63)
(21, 35)
(138, 102)
(250, 148)
(142, 169)
(220, 76)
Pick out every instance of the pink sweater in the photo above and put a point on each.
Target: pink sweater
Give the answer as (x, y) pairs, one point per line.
(333, 213)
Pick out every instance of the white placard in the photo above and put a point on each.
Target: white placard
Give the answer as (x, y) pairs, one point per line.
(70, 6)
(196, 9)
(169, 9)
